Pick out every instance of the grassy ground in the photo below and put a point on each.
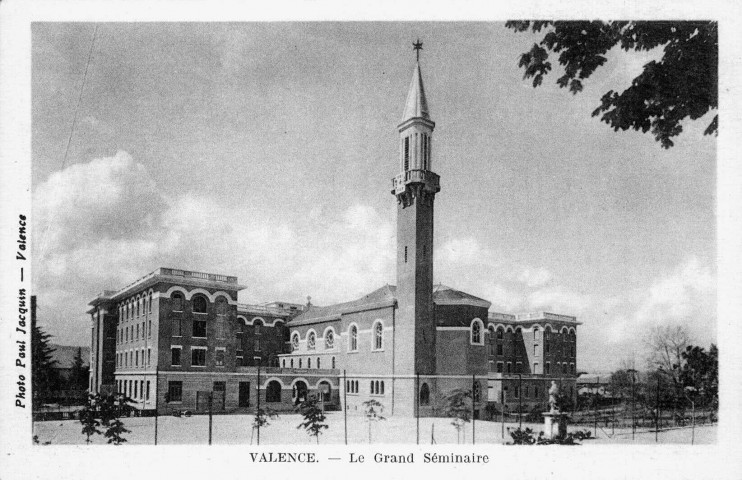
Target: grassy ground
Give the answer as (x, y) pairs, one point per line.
(237, 429)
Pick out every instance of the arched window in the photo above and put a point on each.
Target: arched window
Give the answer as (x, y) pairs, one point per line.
(311, 340)
(309, 363)
(199, 304)
(292, 363)
(150, 303)
(221, 306)
(273, 392)
(535, 333)
(319, 363)
(294, 341)
(333, 363)
(300, 363)
(378, 336)
(476, 332)
(283, 363)
(491, 331)
(547, 333)
(424, 394)
(329, 339)
(353, 343)
(500, 333)
(256, 325)
(177, 302)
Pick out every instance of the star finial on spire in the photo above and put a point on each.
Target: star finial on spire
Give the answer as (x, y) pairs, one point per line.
(417, 47)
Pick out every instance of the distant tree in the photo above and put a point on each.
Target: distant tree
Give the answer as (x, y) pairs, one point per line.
(79, 372)
(458, 407)
(44, 376)
(314, 417)
(700, 371)
(373, 410)
(682, 84)
(666, 344)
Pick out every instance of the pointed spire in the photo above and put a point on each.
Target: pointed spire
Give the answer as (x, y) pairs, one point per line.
(416, 105)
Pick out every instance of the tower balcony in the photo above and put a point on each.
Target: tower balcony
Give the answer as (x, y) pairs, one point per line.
(430, 181)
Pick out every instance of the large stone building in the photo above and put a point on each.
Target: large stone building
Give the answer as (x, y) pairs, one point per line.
(174, 338)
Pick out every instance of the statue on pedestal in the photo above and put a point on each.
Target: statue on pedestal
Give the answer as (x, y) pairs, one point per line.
(553, 394)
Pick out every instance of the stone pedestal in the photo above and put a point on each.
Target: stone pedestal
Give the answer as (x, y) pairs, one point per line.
(555, 425)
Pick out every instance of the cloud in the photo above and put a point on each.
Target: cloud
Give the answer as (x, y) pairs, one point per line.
(558, 299)
(535, 277)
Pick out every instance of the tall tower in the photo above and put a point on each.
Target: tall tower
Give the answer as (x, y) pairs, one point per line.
(415, 188)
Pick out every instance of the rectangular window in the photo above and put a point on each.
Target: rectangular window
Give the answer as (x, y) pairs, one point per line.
(519, 367)
(548, 368)
(175, 356)
(546, 346)
(535, 350)
(198, 357)
(407, 153)
(147, 397)
(219, 357)
(136, 390)
(136, 357)
(499, 350)
(149, 331)
(174, 391)
(499, 367)
(149, 357)
(535, 367)
(516, 392)
(257, 344)
(126, 336)
(239, 355)
(510, 367)
(220, 386)
(137, 337)
(199, 328)
(177, 331)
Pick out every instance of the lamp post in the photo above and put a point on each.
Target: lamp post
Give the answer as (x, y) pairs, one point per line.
(257, 412)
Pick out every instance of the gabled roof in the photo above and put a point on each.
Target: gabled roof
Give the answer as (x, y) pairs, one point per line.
(416, 105)
(383, 297)
(445, 295)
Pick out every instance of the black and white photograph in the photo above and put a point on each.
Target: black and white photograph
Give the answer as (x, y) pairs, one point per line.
(470, 239)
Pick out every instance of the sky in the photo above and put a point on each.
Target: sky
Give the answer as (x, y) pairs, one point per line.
(266, 151)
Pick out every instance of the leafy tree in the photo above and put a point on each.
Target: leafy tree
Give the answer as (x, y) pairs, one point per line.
(458, 407)
(79, 372)
(105, 411)
(44, 376)
(373, 410)
(700, 371)
(314, 417)
(683, 84)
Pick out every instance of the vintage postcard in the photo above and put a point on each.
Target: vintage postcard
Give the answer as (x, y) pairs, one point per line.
(374, 240)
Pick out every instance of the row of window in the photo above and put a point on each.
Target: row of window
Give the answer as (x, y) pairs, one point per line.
(531, 393)
(135, 307)
(273, 391)
(493, 350)
(198, 356)
(134, 389)
(377, 342)
(131, 358)
(300, 363)
(131, 333)
(477, 330)
(376, 387)
(199, 303)
(507, 367)
(425, 146)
